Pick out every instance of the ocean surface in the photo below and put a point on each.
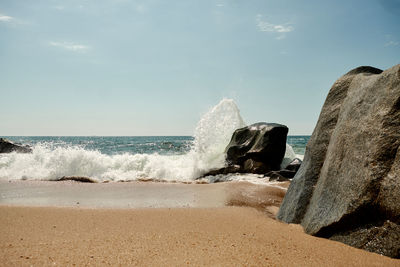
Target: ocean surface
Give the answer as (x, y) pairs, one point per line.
(128, 158)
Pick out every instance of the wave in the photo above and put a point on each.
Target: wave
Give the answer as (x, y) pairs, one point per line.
(212, 134)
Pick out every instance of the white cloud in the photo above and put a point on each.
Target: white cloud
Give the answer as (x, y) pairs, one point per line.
(391, 40)
(59, 7)
(71, 46)
(265, 26)
(392, 43)
(12, 21)
(5, 18)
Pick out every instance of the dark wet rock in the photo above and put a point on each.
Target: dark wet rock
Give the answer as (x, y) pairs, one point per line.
(253, 166)
(224, 170)
(81, 179)
(7, 146)
(257, 148)
(294, 165)
(280, 176)
(285, 174)
(349, 181)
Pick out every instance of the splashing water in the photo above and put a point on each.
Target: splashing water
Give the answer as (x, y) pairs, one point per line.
(289, 156)
(213, 133)
(51, 161)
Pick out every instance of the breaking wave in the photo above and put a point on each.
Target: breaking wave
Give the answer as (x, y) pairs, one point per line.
(211, 136)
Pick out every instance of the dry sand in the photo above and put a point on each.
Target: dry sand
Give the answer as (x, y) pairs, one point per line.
(68, 223)
(226, 236)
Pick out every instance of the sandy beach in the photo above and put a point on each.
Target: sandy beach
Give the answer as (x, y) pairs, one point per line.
(192, 232)
(153, 237)
(201, 133)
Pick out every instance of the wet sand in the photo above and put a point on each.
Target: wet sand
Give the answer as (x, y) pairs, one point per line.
(142, 194)
(196, 229)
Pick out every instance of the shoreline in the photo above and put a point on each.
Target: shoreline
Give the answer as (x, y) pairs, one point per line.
(136, 194)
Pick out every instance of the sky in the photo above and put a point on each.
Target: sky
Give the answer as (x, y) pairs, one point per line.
(121, 67)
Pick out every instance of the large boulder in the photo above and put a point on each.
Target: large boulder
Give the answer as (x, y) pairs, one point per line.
(258, 148)
(7, 146)
(348, 186)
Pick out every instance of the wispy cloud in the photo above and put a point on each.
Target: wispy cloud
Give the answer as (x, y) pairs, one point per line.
(281, 29)
(59, 7)
(5, 18)
(13, 21)
(392, 43)
(71, 46)
(390, 40)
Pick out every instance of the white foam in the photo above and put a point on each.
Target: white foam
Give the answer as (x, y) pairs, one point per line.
(212, 135)
(289, 156)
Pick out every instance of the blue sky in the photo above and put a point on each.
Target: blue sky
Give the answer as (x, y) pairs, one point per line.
(120, 67)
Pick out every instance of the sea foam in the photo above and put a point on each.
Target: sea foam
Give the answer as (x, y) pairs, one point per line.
(211, 136)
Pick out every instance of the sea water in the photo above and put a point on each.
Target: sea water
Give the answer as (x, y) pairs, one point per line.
(129, 158)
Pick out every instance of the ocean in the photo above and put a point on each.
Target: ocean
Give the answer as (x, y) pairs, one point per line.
(130, 158)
